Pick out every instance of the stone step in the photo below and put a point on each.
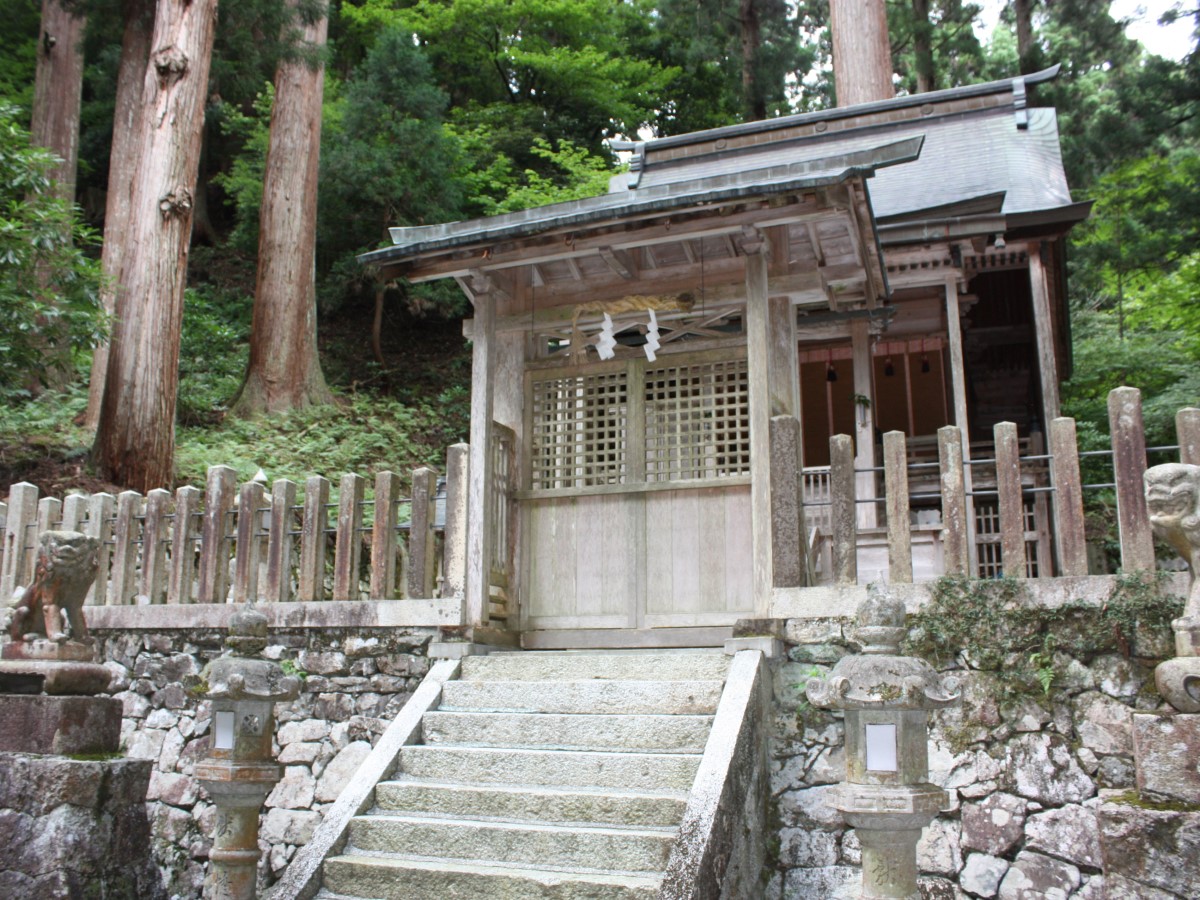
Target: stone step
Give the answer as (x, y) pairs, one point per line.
(413, 878)
(682, 665)
(526, 802)
(672, 734)
(584, 697)
(522, 843)
(584, 768)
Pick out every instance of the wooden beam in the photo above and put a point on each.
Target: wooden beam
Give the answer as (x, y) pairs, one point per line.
(1043, 325)
(619, 261)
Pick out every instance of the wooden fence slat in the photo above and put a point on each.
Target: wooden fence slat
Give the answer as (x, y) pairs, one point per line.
(899, 531)
(249, 543)
(101, 508)
(154, 547)
(454, 541)
(49, 516)
(125, 548)
(18, 532)
(279, 544)
(383, 536)
(311, 582)
(956, 537)
(1069, 522)
(842, 512)
(788, 550)
(421, 544)
(1187, 429)
(74, 512)
(214, 549)
(1129, 464)
(348, 548)
(3, 526)
(1012, 510)
(183, 547)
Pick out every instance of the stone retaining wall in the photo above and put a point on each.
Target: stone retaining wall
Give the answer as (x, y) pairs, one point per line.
(1026, 777)
(355, 678)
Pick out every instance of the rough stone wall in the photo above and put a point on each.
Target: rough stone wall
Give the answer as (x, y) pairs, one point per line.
(74, 828)
(1025, 777)
(355, 680)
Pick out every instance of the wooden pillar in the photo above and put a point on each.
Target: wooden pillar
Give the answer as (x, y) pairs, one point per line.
(788, 548)
(214, 538)
(279, 543)
(154, 547)
(955, 534)
(899, 532)
(383, 536)
(1129, 463)
(842, 519)
(1187, 429)
(1043, 325)
(1012, 509)
(347, 548)
(758, 350)
(18, 534)
(864, 422)
(958, 387)
(311, 581)
(1068, 498)
(183, 539)
(454, 547)
(479, 525)
(421, 543)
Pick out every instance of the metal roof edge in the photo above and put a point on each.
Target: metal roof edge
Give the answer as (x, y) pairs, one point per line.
(840, 112)
(413, 241)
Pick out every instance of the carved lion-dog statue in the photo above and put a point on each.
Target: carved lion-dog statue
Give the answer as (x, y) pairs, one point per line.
(66, 567)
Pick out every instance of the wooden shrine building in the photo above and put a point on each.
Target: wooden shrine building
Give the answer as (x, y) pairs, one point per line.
(890, 266)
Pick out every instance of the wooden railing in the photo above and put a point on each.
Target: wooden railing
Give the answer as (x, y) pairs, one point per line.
(231, 543)
(1011, 514)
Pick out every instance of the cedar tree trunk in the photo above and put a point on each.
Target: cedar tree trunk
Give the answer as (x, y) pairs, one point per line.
(862, 57)
(284, 371)
(135, 441)
(1023, 13)
(131, 72)
(923, 46)
(753, 105)
(58, 89)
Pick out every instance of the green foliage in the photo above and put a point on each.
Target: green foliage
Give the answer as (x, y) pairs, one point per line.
(576, 174)
(213, 352)
(243, 181)
(49, 286)
(291, 667)
(956, 55)
(18, 63)
(363, 433)
(994, 627)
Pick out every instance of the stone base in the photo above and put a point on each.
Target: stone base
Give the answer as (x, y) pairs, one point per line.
(60, 725)
(1155, 849)
(41, 648)
(1166, 753)
(70, 828)
(75, 678)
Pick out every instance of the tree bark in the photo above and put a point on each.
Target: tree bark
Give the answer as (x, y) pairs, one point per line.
(1023, 13)
(862, 57)
(58, 89)
(131, 72)
(923, 46)
(135, 441)
(753, 104)
(284, 371)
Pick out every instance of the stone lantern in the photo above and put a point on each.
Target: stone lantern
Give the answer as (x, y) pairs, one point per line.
(239, 770)
(886, 698)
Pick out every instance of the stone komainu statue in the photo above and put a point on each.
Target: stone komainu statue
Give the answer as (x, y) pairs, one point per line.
(66, 567)
(1173, 501)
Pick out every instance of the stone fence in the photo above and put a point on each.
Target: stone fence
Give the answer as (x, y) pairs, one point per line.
(232, 544)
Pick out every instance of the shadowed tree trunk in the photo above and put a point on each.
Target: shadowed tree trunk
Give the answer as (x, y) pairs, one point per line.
(135, 441)
(57, 91)
(1023, 13)
(753, 104)
(923, 46)
(862, 57)
(284, 371)
(131, 72)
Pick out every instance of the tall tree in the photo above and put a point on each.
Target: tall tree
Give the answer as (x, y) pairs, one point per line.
(135, 440)
(58, 90)
(131, 72)
(284, 371)
(862, 56)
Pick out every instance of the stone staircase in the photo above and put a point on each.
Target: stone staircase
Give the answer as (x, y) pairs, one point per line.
(542, 775)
